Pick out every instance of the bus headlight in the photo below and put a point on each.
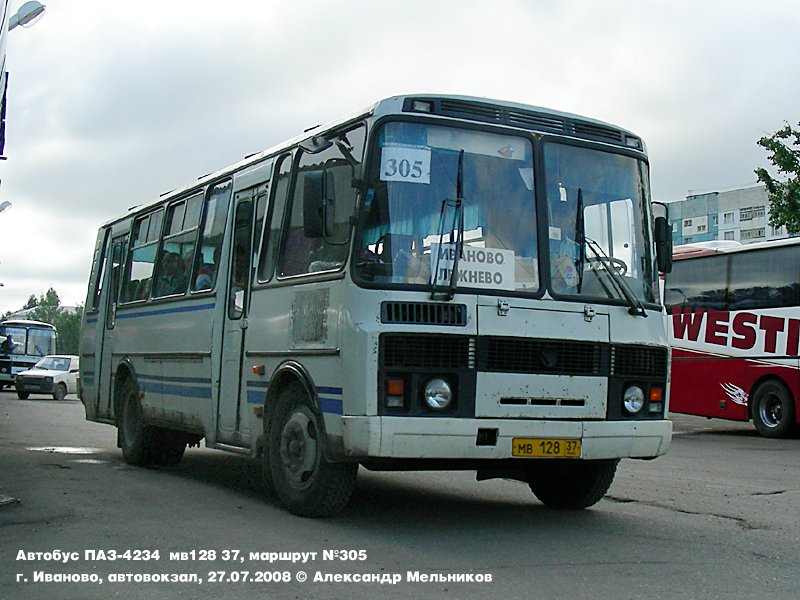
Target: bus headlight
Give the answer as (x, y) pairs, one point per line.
(438, 394)
(633, 400)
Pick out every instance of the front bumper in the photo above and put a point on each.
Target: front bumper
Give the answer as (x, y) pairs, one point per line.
(442, 438)
(34, 386)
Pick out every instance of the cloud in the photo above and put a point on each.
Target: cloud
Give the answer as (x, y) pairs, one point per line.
(112, 104)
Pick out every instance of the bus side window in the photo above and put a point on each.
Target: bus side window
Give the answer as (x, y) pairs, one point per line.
(342, 162)
(141, 260)
(99, 270)
(206, 264)
(177, 252)
(272, 231)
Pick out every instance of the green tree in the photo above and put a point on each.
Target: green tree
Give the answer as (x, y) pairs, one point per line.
(784, 196)
(31, 303)
(68, 326)
(48, 309)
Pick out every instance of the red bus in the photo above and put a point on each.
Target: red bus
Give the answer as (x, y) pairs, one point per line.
(733, 317)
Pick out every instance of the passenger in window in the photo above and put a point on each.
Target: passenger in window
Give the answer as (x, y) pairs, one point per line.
(168, 279)
(205, 273)
(298, 252)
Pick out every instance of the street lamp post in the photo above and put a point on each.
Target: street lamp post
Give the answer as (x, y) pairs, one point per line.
(27, 15)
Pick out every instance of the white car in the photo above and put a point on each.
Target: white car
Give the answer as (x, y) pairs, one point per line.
(56, 375)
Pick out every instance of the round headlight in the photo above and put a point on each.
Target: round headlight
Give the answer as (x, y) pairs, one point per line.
(633, 400)
(438, 394)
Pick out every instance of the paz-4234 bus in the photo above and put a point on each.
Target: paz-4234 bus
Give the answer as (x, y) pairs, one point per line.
(734, 325)
(433, 282)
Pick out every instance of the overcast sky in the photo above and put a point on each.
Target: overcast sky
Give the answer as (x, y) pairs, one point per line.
(113, 103)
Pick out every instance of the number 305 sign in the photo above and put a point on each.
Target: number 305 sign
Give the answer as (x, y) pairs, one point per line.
(404, 163)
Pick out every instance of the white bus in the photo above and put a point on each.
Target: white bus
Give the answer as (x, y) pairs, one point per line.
(734, 324)
(22, 344)
(433, 282)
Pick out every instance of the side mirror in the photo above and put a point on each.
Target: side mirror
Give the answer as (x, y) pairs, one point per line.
(318, 203)
(663, 235)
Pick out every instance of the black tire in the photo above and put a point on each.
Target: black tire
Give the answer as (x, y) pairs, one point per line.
(23, 395)
(773, 410)
(306, 483)
(60, 392)
(571, 484)
(137, 439)
(170, 446)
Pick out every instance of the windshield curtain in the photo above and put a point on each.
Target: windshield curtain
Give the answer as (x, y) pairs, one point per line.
(13, 340)
(598, 220)
(410, 217)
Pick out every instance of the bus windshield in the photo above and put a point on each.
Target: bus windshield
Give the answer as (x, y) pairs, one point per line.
(27, 341)
(412, 221)
(416, 230)
(596, 204)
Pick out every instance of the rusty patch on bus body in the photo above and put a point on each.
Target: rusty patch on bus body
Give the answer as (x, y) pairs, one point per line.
(310, 316)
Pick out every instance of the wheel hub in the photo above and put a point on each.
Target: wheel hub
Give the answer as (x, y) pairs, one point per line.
(298, 449)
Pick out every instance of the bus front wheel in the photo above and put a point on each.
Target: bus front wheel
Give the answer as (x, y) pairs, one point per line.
(305, 482)
(773, 410)
(571, 484)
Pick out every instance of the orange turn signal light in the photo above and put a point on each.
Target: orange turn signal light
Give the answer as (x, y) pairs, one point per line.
(395, 387)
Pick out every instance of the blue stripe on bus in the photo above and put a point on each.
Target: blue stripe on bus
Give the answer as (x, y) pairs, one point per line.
(165, 311)
(171, 386)
(329, 390)
(255, 391)
(255, 395)
(332, 405)
(327, 403)
(205, 380)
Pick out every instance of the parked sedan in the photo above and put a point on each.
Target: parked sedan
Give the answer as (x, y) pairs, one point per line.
(56, 375)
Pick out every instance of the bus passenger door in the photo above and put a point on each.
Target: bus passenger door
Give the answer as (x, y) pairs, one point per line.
(106, 375)
(231, 420)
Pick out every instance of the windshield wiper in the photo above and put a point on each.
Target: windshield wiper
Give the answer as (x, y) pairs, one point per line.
(580, 237)
(449, 291)
(636, 306)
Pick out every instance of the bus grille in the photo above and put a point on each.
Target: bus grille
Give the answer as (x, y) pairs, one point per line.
(522, 355)
(423, 313)
(639, 361)
(525, 355)
(428, 351)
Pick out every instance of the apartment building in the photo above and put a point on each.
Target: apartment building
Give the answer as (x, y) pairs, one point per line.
(740, 215)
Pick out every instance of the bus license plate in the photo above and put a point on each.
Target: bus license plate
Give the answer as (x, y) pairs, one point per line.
(546, 448)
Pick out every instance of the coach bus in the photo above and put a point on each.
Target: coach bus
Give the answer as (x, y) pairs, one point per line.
(433, 282)
(22, 344)
(734, 325)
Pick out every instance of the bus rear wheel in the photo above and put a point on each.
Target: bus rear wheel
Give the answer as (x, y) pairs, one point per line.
(137, 439)
(306, 483)
(773, 410)
(571, 484)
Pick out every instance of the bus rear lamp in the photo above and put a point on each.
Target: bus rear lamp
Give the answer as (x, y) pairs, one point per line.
(437, 394)
(633, 399)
